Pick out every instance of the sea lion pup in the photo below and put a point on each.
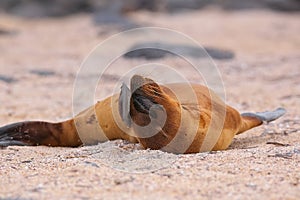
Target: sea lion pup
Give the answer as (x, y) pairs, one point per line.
(123, 116)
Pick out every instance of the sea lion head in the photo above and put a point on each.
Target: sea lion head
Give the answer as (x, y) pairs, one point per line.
(156, 115)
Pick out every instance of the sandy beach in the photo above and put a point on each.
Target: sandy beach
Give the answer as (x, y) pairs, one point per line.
(39, 62)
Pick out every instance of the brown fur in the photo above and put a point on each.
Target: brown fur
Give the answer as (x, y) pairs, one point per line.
(66, 134)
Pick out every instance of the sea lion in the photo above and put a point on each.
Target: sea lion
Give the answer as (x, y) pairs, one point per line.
(124, 116)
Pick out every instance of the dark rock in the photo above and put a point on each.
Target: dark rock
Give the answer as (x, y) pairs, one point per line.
(155, 50)
(56, 8)
(284, 5)
(40, 72)
(113, 18)
(7, 79)
(45, 8)
(148, 54)
(219, 54)
(7, 32)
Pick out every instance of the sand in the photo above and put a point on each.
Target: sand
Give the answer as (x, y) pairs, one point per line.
(40, 59)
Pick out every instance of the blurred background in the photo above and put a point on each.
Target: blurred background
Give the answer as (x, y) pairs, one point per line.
(57, 8)
(43, 44)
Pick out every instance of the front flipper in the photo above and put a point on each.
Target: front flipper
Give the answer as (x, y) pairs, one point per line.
(124, 104)
(29, 133)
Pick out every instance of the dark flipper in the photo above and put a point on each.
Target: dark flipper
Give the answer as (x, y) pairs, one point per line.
(29, 133)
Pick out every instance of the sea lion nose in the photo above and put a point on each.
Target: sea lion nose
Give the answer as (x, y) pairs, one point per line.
(138, 81)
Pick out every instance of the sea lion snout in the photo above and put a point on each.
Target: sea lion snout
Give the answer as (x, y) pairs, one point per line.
(145, 101)
(155, 114)
(146, 87)
(138, 81)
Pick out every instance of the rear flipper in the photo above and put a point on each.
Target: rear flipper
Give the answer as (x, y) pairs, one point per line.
(267, 116)
(39, 133)
(250, 120)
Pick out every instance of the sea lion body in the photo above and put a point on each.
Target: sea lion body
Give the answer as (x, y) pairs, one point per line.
(184, 131)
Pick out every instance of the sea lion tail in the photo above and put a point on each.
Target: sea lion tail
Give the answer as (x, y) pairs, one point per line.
(32, 133)
(250, 120)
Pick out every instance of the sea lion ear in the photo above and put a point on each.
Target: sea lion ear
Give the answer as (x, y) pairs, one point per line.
(124, 104)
